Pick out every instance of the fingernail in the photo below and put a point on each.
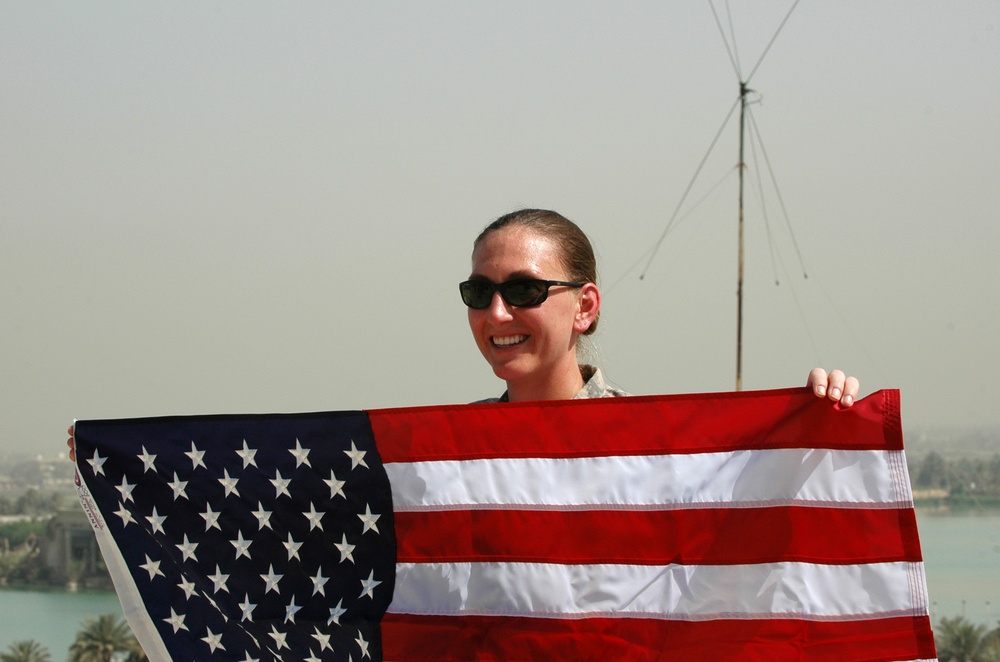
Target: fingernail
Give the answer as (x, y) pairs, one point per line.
(835, 392)
(848, 401)
(821, 390)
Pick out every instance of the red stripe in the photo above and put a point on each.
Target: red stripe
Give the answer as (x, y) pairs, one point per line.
(425, 639)
(789, 418)
(695, 536)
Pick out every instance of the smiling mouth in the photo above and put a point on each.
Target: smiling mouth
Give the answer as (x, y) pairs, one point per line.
(508, 341)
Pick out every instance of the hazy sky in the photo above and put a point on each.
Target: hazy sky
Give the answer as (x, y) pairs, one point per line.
(243, 207)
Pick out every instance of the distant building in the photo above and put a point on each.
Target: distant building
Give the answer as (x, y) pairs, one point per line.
(70, 553)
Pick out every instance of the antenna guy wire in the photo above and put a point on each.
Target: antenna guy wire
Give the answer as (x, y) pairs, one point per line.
(771, 43)
(677, 209)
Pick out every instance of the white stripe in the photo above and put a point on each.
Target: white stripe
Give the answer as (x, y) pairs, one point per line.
(740, 478)
(801, 590)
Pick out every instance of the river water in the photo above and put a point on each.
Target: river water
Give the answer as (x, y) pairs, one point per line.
(50, 617)
(961, 555)
(962, 559)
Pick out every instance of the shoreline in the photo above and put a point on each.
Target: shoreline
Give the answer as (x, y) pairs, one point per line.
(961, 504)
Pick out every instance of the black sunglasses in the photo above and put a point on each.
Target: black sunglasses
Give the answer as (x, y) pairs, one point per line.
(520, 292)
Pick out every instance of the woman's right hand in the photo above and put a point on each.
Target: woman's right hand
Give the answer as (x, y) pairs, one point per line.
(71, 442)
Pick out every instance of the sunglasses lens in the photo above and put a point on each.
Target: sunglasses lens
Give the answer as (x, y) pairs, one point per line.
(524, 292)
(476, 294)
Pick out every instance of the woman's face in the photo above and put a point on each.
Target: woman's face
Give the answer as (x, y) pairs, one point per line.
(529, 343)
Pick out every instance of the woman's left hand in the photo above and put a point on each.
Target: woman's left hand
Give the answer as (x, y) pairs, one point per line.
(836, 386)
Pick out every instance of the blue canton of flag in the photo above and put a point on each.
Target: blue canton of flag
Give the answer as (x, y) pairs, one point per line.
(243, 537)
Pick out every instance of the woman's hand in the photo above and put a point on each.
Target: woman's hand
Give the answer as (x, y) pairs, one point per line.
(71, 442)
(836, 386)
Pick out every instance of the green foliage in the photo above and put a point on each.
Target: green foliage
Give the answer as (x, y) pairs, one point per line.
(21, 563)
(21, 566)
(101, 639)
(970, 476)
(17, 532)
(33, 503)
(26, 651)
(958, 640)
(933, 473)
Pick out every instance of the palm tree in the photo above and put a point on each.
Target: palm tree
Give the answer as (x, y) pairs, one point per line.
(992, 642)
(101, 638)
(26, 651)
(958, 640)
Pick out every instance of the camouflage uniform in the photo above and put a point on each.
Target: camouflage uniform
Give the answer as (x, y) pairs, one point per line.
(594, 387)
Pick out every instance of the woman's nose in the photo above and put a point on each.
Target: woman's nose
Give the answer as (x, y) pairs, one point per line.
(499, 309)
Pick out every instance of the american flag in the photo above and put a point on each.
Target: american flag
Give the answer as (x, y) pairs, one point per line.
(243, 537)
(765, 525)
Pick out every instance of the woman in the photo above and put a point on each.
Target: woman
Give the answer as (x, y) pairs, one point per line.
(532, 294)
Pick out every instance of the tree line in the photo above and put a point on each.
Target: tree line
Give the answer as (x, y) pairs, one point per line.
(33, 503)
(963, 477)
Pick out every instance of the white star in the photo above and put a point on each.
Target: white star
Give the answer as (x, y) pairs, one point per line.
(263, 516)
(247, 454)
(213, 640)
(290, 611)
(368, 520)
(312, 657)
(97, 462)
(247, 657)
(148, 461)
(156, 521)
(188, 587)
(336, 486)
(323, 639)
(280, 485)
(292, 547)
(279, 638)
(229, 484)
(271, 580)
(357, 457)
(346, 549)
(212, 518)
(126, 489)
(247, 607)
(336, 613)
(363, 644)
(319, 581)
(197, 457)
(241, 545)
(152, 567)
(124, 514)
(301, 455)
(219, 580)
(176, 620)
(368, 585)
(187, 549)
(178, 486)
(315, 518)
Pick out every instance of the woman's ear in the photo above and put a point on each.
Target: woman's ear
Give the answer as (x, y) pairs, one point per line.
(588, 307)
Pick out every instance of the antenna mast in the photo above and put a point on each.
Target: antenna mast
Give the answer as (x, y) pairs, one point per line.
(739, 276)
(744, 91)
